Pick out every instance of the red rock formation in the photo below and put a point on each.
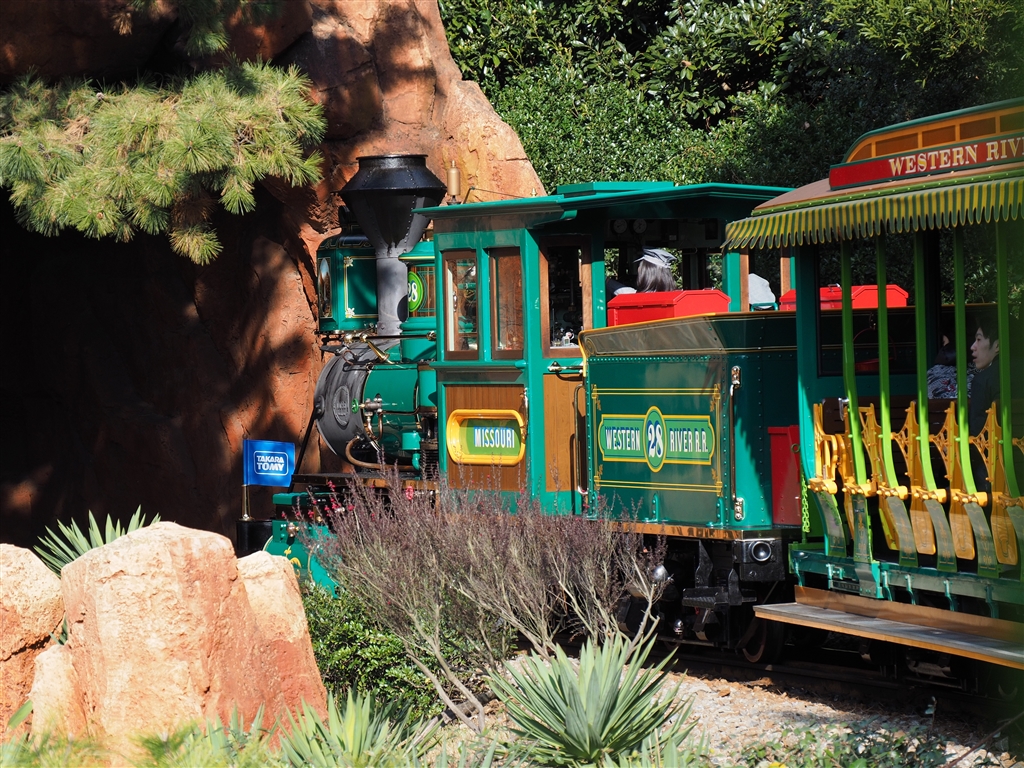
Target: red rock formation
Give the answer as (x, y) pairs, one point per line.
(132, 375)
(30, 610)
(78, 37)
(166, 628)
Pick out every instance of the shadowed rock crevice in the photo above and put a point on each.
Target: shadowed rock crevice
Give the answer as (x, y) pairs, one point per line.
(131, 375)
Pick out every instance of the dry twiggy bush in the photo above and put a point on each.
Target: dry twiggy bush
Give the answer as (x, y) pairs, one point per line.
(455, 574)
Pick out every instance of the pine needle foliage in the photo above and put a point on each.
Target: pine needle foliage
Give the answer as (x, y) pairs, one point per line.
(155, 158)
(204, 20)
(57, 552)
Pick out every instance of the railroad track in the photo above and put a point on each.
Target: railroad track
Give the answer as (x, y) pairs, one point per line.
(829, 673)
(840, 670)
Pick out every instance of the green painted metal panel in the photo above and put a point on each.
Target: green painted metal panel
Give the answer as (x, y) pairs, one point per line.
(671, 444)
(731, 201)
(806, 560)
(293, 547)
(731, 282)
(658, 445)
(397, 386)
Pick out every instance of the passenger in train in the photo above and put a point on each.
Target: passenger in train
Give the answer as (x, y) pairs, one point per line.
(613, 287)
(942, 374)
(654, 271)
(984, 390)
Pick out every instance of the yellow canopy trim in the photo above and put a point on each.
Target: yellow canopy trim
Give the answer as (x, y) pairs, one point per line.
(895, 207)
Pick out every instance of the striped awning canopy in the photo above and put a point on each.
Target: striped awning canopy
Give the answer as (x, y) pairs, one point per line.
(817, 214)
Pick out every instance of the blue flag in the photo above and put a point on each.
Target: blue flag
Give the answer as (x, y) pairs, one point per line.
(266, 462)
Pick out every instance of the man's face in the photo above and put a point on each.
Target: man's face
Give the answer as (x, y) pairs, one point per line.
(984, 351)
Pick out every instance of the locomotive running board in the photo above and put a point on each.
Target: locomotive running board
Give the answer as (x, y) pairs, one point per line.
(975, 637)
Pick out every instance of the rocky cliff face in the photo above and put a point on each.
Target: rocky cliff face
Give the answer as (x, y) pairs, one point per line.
(130, 375)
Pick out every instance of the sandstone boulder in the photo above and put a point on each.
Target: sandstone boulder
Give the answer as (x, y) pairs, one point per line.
(273, 593)
(388, 84)
(57, 706)
(162, 631)
(31, 609)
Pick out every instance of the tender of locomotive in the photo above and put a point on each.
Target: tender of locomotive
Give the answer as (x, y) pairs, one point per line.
(791, 457)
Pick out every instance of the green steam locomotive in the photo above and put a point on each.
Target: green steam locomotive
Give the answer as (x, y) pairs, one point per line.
(787, 449)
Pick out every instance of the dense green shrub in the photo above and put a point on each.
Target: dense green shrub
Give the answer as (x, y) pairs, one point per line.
(577, 132)
(773, 92)
(866, 744)
(354, 652)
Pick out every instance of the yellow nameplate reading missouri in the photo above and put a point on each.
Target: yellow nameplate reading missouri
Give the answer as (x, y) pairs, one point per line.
(492, 437)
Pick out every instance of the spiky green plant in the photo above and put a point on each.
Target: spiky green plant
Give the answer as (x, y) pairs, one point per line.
(57, 552)
(47, 750)
(468, 755)
(211, 746)
(605, 708)
(360, 734)
(674, 753)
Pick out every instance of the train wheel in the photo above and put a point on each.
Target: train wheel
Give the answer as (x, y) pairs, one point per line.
(765, 645)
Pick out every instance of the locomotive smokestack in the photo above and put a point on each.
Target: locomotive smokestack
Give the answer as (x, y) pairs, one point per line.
(384, 195)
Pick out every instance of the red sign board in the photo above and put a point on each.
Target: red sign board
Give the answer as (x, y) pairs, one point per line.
(953, 157)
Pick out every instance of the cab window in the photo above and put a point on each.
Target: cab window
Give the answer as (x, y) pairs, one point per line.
(461, 305)
(565, 297)
(506, 303)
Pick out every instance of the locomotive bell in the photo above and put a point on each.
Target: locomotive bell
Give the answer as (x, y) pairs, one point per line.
(384, 195)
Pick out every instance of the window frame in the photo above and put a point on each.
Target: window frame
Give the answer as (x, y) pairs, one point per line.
(449, 259)
(585, 275)
(494, 254)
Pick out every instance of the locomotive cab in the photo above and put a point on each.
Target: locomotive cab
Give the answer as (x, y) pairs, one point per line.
(519, 282)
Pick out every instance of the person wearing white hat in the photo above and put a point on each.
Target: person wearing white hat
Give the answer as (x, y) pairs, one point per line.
(654, 271)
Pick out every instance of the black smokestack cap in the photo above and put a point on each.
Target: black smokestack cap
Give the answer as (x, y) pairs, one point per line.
(383, 196)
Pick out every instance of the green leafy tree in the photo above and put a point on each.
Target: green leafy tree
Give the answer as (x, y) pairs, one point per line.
(776, 88)
(154, 159)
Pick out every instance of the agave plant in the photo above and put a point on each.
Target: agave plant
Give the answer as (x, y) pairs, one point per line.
(211, 746)
(47, 750)
(57, 552)
(360, 734)
(673, 753)
(605, 711)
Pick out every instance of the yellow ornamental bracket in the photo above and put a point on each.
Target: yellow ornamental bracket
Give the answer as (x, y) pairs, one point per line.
(959, 523)
(825, 457)
(492, 437)
(847, 463)
(966, 517)
(906, 441)
(871, 436)
(989, 444)
(896, 525)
